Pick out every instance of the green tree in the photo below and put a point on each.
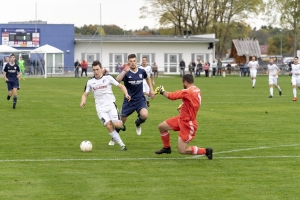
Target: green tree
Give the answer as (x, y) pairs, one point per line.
(113, 30)
(202, 16)
(89, 30)
(285, 13)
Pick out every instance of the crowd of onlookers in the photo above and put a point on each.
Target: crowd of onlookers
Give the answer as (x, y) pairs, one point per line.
(31, 66)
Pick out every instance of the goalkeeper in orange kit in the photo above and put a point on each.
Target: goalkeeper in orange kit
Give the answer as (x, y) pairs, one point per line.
(185, 122)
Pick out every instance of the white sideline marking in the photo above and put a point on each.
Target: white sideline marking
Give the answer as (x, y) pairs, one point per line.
(182, 158)
(249, 149)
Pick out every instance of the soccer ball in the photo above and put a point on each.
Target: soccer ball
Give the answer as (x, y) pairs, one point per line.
(86, 146)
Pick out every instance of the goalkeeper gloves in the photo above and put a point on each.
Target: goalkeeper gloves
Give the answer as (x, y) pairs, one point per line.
(159, 90)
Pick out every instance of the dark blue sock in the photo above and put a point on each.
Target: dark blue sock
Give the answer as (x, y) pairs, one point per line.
(15, 99)
(139, 121)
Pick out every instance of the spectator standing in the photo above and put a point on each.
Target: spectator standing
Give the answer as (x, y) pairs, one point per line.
(77, 66)
(228, 66)
(214, 68)
(84, 67)
(119, 68)
(206, 68)
(191, 68)
(219, 66)
(35, 64)
(182, 67)
(199, 67)
(155, 70)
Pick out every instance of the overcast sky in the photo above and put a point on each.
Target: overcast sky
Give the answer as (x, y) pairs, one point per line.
(77, 12)
(123, 13)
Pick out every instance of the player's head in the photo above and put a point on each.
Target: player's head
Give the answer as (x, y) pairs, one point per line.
(296, 60)
(12, 58)
(6, 59)
(97, 69)
(271, 61)
(253, 58)
(144, 61)
(21, 58)
(187, 80)
(132, 61)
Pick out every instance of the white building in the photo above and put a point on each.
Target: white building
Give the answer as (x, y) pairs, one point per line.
(166, 51)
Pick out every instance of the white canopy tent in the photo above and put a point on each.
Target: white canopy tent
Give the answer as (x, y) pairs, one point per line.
(6, 51)
(54, 59)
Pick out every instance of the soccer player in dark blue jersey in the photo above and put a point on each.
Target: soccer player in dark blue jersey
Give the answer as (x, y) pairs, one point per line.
(11, 74)
(132, 76)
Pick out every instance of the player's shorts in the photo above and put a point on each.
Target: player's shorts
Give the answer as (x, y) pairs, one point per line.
(296, 81)
(12, 84)
(253, 73)
(109, 113)
(129, 107)
(187, 129)
(146, 88)
(273, 80)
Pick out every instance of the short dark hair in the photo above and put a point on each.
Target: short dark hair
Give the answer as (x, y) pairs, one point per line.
(12, 55)
(297, 57)
(188, 78)
(97, 62)
(131, 56)
(144, 57)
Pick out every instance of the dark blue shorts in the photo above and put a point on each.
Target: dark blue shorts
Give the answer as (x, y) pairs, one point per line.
(129, 107)
(12, 84)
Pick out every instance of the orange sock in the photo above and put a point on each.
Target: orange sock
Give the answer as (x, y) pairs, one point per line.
(165, 137)
(197, 150)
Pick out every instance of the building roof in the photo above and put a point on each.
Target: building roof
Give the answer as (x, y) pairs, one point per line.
(247, 47)
(139, 38)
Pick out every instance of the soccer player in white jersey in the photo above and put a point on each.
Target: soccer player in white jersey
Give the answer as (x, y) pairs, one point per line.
(273, 72)
(295, 77)
(107, 111)
(149, 72)
(253, 66)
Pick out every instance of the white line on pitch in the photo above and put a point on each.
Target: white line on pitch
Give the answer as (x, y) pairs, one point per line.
(254, 148)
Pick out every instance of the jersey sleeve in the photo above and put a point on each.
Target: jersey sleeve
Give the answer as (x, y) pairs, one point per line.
(5, 68)
(145, 74)
(87, 87)
(151, 72)
(113, 81)
(176, 95)
(18, 68)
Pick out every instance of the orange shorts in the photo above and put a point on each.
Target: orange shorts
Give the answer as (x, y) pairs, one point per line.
(187, 129)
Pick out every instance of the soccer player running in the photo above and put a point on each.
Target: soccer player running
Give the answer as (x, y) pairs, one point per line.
(185, 122)
(11, 74)
(253, 65)
(133, 77)
(146, 88)
(295, 77)
(107, 111)
(273, 72)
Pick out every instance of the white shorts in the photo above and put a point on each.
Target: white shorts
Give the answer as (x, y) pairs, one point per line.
(295, 81)
(146, 88)
(253, 73)
(108, 114)
(273, 80)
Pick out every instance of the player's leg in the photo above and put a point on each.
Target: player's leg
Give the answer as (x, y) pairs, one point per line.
(186, 135)
(142, 117)
(164, 127)
(9, 89)
(271, 87)
(15, 99)
(275, 82)
(294, 82)
(146, 91)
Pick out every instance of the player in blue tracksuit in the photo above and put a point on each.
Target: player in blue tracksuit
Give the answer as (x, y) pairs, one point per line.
(11, 74)
(132, 76)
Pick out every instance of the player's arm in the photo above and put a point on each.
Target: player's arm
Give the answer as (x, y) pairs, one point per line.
(124, 90)
(151, 92)
(170, 95)
(83, 99)
(278, 71)
(19, 73)
(267, 72)
(122, 74)
(152, 77)
(4, 74)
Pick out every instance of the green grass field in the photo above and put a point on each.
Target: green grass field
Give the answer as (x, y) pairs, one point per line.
(256, 155)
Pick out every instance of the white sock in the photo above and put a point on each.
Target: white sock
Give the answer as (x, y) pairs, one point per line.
(271, 91)
(295, 92)
(278, 87)
(254, 80)
(115, 135)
